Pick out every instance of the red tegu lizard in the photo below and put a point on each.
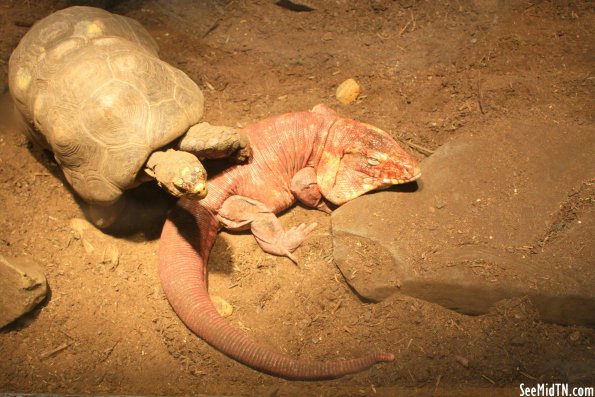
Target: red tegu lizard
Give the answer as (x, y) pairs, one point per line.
(308, 156)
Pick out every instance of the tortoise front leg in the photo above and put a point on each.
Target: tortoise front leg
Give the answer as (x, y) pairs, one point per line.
(208, 141)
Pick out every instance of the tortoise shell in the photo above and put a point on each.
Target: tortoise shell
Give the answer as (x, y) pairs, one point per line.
(91, 85)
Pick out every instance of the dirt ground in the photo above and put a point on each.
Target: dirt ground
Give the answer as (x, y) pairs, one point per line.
(430, 72)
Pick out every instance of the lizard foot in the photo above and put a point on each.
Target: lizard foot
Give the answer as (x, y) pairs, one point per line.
(237, 212)
(288, 241)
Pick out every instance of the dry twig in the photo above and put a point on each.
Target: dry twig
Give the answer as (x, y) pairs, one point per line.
(54, 351)
(480, 94)
(488, 379)
(419, 148)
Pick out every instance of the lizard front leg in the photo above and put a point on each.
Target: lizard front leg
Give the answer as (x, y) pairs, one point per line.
(305, 188)
(241, 213)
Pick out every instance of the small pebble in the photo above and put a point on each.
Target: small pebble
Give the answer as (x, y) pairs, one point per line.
(575, 336)
(462, 360)
(348, 91)
(224, 308)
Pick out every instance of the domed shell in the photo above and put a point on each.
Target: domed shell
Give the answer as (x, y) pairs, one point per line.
(97, 95)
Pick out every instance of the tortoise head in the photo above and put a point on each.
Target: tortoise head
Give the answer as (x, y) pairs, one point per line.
(190, 182)
(180, 173)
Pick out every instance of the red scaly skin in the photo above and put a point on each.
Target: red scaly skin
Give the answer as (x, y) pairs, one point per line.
(297, 156)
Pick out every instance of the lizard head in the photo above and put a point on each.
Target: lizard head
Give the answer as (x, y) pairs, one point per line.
(360, 158)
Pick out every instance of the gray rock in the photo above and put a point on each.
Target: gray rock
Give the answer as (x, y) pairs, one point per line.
(493, 234)
(375, 278)
(22, 287)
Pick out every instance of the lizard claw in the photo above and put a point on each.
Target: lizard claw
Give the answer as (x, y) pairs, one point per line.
(296, 235)
(293, 237)
(291, 256)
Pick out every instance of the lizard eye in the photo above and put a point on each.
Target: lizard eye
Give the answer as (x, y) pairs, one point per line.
(373, 161)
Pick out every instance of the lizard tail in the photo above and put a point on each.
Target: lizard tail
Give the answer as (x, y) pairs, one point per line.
(187, 238)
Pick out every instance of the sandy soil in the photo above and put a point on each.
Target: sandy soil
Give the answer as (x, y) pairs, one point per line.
(430, 71)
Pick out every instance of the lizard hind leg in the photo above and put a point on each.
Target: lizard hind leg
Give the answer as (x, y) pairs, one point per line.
(240, 212)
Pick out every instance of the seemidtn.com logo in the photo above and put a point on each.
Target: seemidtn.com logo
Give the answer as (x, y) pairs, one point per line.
(556, 390)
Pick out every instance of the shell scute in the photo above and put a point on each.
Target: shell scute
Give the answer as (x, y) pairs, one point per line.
(166, 117)
(97, 189)
(50, 33)
(64, 48)
(190, 101)
(115, 114)
(147, 74)
(129, 159)
(72, 150)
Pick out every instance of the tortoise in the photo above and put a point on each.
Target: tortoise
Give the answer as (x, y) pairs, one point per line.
(91, 88)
